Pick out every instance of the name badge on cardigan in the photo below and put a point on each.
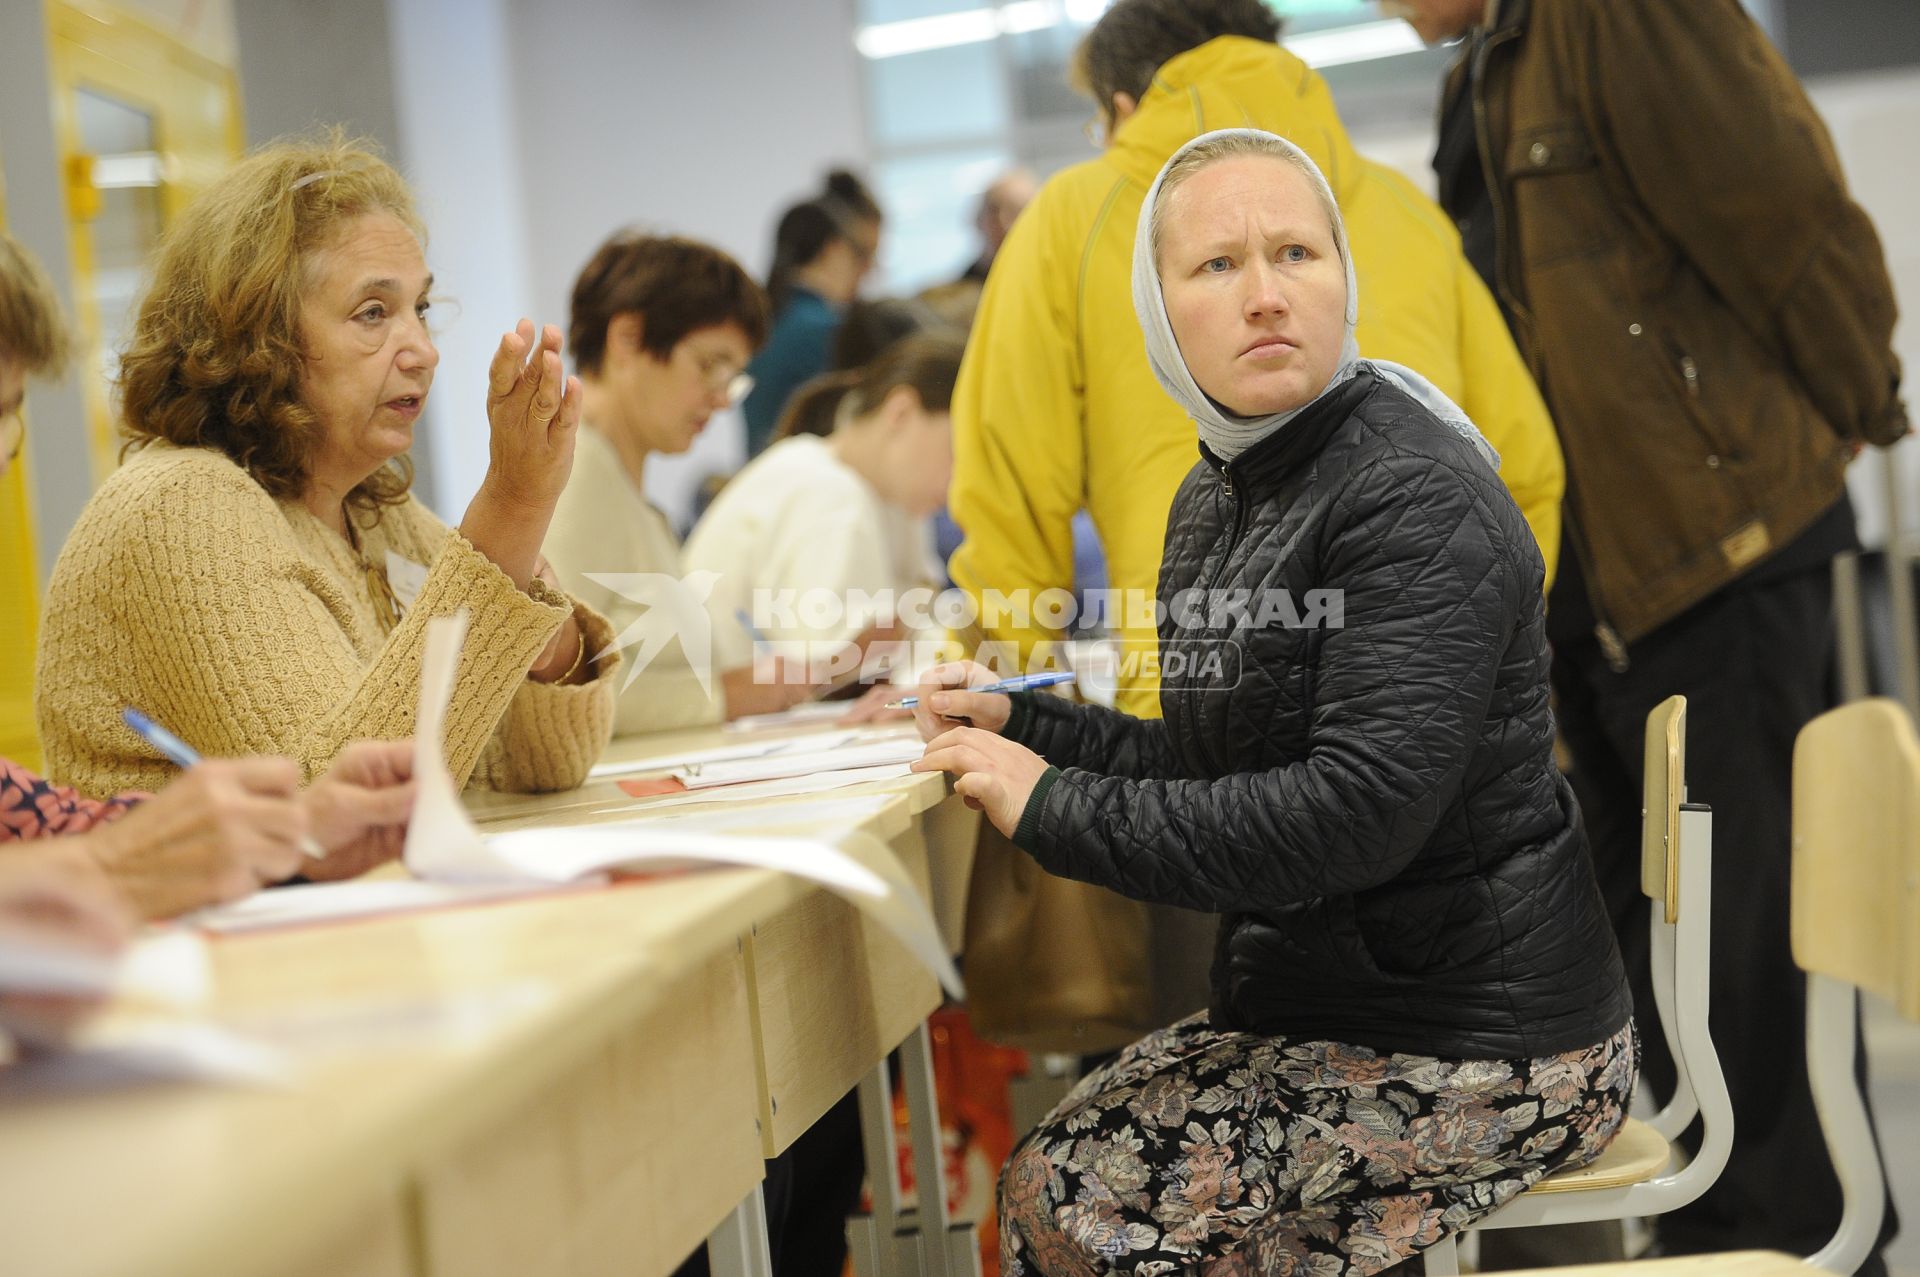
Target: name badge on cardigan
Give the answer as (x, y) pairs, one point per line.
(406, 579)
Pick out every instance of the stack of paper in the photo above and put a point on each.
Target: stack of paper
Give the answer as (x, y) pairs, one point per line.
(811, 753)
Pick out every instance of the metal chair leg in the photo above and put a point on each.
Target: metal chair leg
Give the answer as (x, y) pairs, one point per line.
(739, 1247)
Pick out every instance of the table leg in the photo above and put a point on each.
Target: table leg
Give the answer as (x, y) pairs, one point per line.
(872, 1238)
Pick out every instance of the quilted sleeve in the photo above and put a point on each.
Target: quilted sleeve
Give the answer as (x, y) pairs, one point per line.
(1091, 736)
(1432, 601)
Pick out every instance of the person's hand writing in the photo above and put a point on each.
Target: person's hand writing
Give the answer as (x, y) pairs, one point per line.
(872, 707)
(992, 773)
(768, 686)
(225, 828)
(358, 811)
(945, 704)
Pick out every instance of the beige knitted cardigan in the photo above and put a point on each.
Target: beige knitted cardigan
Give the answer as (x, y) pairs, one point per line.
(248, 626)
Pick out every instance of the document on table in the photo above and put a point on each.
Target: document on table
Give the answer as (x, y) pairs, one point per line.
(150, 1030)
(810, 753)
(116, 1052)
(793, 716)
(446, 850)
(168, 967)
(781, 787)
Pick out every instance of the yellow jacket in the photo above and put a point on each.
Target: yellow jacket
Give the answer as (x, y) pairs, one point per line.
(1057, 409)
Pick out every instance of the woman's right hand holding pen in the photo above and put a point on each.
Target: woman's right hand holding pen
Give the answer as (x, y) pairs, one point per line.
(946, 704)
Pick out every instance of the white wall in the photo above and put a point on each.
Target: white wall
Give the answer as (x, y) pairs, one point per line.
(1874, 120)
(696, 119)
(533, 131)
(459, 121)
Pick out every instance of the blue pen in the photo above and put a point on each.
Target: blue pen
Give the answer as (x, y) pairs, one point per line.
(1024, 683)
(746, 623)
(183, 755)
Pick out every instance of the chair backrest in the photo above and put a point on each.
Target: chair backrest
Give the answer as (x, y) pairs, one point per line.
(1856, 850)
(1856, 925)
(1665, 789)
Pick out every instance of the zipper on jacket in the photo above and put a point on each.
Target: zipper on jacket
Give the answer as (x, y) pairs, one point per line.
(1496, 194)
(1233, 537)
(1690, 371)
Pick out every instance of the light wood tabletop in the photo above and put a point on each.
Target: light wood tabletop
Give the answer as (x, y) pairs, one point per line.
(570, 1083)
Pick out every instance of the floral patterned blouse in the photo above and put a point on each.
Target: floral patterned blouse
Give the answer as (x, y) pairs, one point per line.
(33, 807)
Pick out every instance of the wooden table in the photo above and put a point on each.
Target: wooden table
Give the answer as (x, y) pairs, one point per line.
(579, 1083)
(831, 993)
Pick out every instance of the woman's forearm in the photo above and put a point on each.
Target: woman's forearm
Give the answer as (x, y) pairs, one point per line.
(507, 531)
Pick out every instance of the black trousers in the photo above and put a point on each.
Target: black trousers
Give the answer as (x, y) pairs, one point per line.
(1754, 662)
(810, 1189)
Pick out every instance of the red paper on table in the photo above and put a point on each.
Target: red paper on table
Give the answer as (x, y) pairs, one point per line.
(654, 786)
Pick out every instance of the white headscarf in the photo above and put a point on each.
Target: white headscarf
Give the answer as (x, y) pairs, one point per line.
(1228, 434)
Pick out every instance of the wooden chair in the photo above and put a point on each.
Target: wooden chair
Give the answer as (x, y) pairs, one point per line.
(1630, 1179)
(1856, 925)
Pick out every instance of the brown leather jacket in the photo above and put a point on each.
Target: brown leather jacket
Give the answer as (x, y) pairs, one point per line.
(1706, 310)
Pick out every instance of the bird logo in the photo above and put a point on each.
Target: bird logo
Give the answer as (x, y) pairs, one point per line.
(676, 608)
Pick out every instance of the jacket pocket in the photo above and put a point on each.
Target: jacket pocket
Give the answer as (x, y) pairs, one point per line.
(1683, 375)
(1560, 205)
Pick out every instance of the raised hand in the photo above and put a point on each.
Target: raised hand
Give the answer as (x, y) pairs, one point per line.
(534, 413)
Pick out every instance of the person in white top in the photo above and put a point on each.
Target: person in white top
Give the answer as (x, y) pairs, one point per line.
(661, 329)
(810, 540)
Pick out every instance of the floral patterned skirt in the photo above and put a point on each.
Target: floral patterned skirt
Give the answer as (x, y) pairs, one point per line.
(1223, 1154)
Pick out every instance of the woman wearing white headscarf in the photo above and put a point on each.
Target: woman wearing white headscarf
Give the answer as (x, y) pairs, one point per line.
(1417, 1007)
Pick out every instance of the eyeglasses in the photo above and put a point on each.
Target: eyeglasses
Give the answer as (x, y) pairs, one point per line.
(724, 377)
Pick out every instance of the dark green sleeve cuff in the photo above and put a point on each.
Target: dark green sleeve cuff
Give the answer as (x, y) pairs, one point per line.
(1019, 716)
(1027, 833)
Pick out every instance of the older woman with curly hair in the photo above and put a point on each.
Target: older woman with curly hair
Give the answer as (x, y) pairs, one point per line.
(257, 575)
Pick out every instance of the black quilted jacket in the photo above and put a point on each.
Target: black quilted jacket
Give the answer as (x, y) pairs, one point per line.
(1374, 807)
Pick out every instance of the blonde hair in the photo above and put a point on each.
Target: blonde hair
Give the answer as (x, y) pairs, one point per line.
(31, 327)
(1230, 145)
(216, 355)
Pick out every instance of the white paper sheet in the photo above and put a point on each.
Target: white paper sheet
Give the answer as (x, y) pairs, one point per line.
(165, 968)
(793, 716)
(806, 744)
(317, 903)
(114, 1054)
(443, 845)
(782, 766)
(784, 787)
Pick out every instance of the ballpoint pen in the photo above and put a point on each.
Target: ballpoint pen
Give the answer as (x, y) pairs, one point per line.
(1024, 683)
(183, 755)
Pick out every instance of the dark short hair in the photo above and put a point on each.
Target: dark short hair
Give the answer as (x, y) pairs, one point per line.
(1135, 38)
(677, 286)
(806, 229)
